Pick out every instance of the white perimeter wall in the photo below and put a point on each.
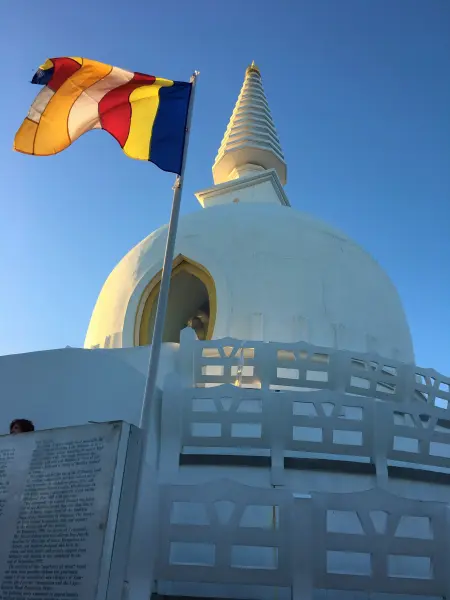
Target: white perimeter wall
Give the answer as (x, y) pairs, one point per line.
(58, 388)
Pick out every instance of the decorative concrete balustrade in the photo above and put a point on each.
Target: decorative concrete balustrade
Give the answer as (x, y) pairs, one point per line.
(302, 366)
(217, 539)
(273, 416)
(282, 427)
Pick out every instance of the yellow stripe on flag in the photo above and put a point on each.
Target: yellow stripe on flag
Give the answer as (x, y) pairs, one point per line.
(144, 102)
(52, 134)
(24, 140)
(47, 65)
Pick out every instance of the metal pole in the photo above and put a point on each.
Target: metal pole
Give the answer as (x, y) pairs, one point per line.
(150, 384)
(158, 331)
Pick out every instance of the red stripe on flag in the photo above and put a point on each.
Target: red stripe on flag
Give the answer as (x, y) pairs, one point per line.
(115, 109)
(63, 69)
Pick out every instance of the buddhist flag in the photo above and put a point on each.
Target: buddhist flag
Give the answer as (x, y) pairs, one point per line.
(147, 115)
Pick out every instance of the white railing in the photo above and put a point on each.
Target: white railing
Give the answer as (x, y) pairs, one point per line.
(287, 404)
(324, 424)
(219, 533)
(301, 366)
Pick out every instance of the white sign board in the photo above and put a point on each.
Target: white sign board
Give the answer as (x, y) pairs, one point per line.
(60, 503)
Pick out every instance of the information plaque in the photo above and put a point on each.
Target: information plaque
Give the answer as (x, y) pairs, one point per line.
(60, 504)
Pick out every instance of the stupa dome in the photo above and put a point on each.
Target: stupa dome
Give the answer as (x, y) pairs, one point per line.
(268, 272)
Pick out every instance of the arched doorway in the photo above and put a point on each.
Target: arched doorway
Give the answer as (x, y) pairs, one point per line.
(192, 302)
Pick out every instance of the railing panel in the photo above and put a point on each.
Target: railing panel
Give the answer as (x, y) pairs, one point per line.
(228, 361)
(329, 423)
(379, 542)
(433, 387)
(301, 366)
(222, 420)
(414, 433)
(226, 417)
(224, 532)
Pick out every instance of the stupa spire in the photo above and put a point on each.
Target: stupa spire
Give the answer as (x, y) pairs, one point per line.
(250, 143)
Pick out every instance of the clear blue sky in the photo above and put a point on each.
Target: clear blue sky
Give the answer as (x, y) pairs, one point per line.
(360, 94)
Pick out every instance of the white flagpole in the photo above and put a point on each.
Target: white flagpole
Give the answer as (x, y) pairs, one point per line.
(158, 331)
(150, 384)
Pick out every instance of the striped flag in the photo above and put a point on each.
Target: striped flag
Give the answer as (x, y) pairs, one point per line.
(145, 114)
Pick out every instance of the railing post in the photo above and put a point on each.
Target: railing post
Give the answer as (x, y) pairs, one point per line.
(172, 416)
(382, 426)
(302, 540)
(186, 354)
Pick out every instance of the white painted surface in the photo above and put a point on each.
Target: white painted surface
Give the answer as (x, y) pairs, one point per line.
(305, 281)
(59, 388)
(250, 141)
(262, 187)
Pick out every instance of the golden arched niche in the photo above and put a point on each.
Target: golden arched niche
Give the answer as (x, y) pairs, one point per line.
(192, 301)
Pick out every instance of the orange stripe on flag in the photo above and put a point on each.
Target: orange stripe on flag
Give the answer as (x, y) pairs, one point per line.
(24, 140)
(53, 135)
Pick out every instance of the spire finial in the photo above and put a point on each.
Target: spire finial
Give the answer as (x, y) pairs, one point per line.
(252, 69)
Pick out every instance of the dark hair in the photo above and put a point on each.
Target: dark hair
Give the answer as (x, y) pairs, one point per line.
(24, 424)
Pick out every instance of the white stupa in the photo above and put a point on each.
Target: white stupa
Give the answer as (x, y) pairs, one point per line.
(295, 451)
(252, 267)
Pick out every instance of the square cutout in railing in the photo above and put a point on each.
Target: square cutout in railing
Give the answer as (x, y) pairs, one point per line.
(386, 388)
(192, 554)
(250, 406)
(363, 365)
(213, 370)
(409, 567)
(360, 382)
(421, 379)
(321, 358)
(404, 419)
(304, 409)
(284, 373)
(440, 449)
(411, 526)
(188, 513)
(349, 563)
(347, 438)
(352, 413)
(319, 376)
(285, 355)
(254, 557)
(406, 444)
(388, 370)
(260, 516)
(307, 434)
(344, 521)
(246, 430)
(441, 403)
(213, 430)
(246, 370)
(203, 405)
(210, 353)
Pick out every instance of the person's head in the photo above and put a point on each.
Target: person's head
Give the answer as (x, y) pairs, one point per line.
(199, 323)
(21, 426)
